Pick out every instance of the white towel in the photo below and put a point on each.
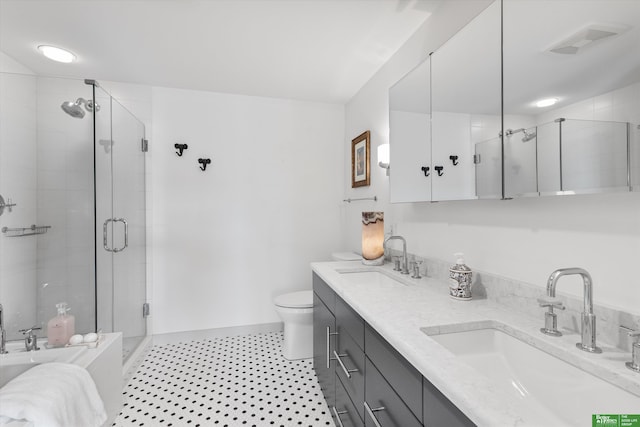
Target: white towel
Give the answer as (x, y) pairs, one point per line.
(53, 395)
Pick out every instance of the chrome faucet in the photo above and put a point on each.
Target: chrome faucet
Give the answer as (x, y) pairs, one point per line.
(550, 318)
(634, 364)
(30, 339)
(405, 266)
(3, 332)
(588, 318)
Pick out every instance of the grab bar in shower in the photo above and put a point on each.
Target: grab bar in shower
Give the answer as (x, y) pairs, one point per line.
(25, 231)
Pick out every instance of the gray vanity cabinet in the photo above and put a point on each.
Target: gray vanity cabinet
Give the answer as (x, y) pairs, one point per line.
(383, 406)
(348, 321)
(344, 412)
(350, 367)
(324, 325)
(365, 381)
(439, 411)
(405, 380)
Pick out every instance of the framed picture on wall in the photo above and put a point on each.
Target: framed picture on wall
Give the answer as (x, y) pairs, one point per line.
(360, 160)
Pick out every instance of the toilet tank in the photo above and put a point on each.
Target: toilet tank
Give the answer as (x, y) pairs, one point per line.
(346, 256)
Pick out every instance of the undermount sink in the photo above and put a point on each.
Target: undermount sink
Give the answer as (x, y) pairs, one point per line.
(553, 391)
(371, 277)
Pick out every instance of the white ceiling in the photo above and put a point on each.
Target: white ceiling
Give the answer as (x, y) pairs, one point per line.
(465, 71)
(319, 50)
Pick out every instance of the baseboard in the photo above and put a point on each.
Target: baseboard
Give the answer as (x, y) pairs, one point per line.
(185, 336)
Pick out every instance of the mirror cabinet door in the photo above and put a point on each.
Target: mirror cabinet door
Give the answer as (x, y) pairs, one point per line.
(410, 136)
(586, 59)
(467, 111)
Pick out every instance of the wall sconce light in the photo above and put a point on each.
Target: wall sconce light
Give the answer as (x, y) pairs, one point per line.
(383, 157)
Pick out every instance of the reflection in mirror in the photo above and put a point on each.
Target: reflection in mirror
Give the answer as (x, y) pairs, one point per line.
(410, 136)
(520, 162)
(585, 62)
(488, 160)
(577, 160)
(466, 109)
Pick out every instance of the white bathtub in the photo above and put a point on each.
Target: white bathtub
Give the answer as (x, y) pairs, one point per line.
(101, 362)
(18, 360)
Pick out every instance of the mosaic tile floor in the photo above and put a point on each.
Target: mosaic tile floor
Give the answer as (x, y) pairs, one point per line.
(232, 381)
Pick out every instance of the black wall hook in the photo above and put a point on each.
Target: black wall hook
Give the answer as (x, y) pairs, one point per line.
(454, 159)
(425, 169)
(180, 148)
(204, 163)
(439, 169)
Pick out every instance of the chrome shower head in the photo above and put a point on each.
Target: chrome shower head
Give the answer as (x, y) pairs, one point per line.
(74, 109)
(528, 136)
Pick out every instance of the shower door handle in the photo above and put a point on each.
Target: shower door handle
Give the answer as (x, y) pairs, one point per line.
(105, 243)
(126, 234)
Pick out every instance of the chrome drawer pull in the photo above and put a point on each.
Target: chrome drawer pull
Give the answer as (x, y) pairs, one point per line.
(329, 333)
(337, 357)
(337, 415)
(371, 411)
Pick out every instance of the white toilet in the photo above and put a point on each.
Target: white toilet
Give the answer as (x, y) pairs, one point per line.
(296, 311)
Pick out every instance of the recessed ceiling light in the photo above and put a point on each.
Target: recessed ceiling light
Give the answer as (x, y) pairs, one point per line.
(546, 102)
(57, 54)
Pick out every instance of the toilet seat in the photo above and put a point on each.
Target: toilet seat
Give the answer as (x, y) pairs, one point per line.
(301, 299)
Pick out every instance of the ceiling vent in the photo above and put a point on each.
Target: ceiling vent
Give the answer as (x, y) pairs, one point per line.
(588, 36)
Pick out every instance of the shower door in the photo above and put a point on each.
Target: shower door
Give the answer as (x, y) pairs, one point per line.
(121, 222)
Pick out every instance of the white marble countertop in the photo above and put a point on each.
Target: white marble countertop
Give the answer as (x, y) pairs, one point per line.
(399, 311)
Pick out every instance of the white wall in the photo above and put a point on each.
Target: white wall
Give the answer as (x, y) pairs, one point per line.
(229, 239)
(525, 239)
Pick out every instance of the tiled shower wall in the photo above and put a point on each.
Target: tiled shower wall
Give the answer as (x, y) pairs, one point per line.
(18, 183)
(65, 254)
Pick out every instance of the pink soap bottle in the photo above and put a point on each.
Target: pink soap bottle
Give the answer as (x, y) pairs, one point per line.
(61, 327)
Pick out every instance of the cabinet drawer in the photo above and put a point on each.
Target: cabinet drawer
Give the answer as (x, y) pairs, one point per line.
(347, 320)
(351, 370)
(379, 394)
(439, 411)
(399, 373)
(323, 346)
(344, 409)
(326, 294)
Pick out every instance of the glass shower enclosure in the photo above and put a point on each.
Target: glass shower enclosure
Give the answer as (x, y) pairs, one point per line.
(76, 231)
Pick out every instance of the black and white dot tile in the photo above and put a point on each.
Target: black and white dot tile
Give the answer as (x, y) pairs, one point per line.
(232, 381)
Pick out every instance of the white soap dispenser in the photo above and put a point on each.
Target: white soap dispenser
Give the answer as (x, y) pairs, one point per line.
(460, 279)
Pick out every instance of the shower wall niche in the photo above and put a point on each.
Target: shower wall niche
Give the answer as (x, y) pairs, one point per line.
(74, 175)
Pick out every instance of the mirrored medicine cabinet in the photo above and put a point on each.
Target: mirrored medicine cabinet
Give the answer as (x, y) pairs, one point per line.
(550, 108)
